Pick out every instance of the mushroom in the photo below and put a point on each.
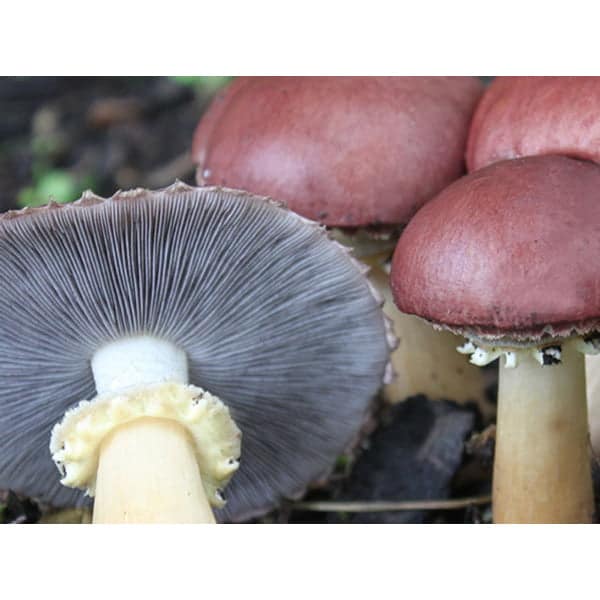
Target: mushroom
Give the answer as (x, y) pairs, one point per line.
(360, 155)
(529, 116)
(150, 326)
(507, 257)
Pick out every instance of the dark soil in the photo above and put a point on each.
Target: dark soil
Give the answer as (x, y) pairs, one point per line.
(415, 453)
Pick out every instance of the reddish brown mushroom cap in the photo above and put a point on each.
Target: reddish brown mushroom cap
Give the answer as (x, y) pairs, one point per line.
(346, 151)
(509, 252)
(527, 116)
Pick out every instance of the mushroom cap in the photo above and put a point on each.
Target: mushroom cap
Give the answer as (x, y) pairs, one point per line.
(508, 253)
(275, 318)
(527, 116)
(345, 151)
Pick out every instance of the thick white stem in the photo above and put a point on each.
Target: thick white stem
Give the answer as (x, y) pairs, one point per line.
(542, 461)
(592, 374)
(147, 470)
(137, 361)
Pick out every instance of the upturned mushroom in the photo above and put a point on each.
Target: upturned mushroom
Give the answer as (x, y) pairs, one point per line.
(360, 155)
(529, 116)
(148, 329)
(507, 257)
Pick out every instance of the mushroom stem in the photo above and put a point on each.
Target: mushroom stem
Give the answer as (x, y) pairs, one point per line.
(542, 463)
(592, 375)
(147, 469)
(148, 473)
(426, 360)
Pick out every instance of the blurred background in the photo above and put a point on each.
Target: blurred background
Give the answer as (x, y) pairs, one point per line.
(62, 135)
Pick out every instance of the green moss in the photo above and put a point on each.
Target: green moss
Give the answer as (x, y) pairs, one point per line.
(57, 185)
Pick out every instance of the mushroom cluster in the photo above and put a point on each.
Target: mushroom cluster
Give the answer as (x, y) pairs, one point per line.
(360, 155)
(168, 345)
(147, 330)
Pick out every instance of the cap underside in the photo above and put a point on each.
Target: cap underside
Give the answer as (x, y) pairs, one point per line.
(276, 320)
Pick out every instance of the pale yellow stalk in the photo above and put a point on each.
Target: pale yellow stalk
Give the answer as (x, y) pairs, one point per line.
(542, 461)
(148, 473)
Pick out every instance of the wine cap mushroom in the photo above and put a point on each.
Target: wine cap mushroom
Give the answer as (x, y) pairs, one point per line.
(507, 257)
(360, 155)
(231, 293)
(505, 253)
(527, 116)
(345, 151)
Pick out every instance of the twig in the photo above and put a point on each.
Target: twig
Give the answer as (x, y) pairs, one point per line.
(327, 506)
